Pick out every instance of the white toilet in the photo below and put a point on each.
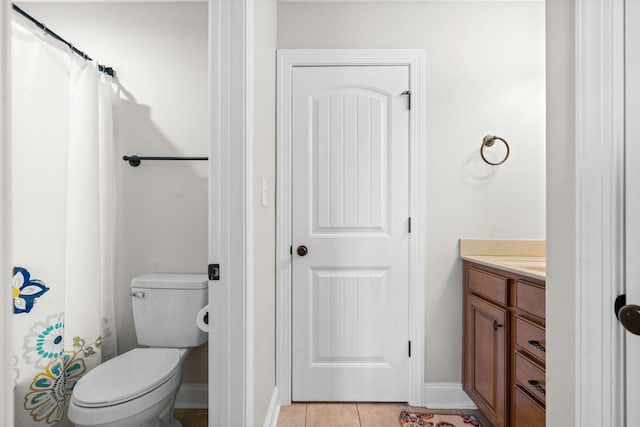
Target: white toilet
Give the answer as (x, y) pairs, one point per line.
(138, 388)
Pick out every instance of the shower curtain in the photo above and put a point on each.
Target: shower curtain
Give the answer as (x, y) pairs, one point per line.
(63, 223)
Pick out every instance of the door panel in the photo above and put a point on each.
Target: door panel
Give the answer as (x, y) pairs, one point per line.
(350, 163)
(337, 329)
(350, 208)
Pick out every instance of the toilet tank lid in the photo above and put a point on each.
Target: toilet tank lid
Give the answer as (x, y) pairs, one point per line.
(170, 281)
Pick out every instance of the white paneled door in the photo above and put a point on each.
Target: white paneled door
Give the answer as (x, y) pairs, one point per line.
(350, 233)
(632, 217)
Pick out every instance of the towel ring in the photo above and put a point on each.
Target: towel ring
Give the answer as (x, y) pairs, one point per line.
(488, 141)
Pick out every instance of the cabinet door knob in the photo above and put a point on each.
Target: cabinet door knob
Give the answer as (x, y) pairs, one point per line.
(537, 345)
(536, 384)
(496, 325)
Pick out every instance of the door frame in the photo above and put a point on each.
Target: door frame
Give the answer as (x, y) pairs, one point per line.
(287, 60)
(599, 105)
(230, 196)
(230, 234)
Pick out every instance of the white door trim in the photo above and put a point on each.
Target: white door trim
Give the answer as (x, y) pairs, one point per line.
(230, 213)
(599, 210)
(287, 59)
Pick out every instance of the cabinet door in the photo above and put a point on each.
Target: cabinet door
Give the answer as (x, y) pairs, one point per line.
(485, 358)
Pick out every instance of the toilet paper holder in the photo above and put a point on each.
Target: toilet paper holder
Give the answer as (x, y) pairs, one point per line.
(202, 319)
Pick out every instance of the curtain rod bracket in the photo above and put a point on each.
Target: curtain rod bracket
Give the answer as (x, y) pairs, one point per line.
(134, 161)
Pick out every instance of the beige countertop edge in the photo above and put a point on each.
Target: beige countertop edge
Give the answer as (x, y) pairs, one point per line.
(511, 264)
(507, 247)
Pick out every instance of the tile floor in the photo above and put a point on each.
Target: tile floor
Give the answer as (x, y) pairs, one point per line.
(328, 415)
(351, 414)
(192, 417)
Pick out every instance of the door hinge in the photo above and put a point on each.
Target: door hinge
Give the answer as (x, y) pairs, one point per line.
(408, 93)
(409, 224)
(409, 348)
(214, 271)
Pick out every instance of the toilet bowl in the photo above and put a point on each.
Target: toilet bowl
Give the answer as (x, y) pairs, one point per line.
(138, 388)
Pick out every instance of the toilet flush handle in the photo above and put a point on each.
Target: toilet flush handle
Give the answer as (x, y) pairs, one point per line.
(137, 294)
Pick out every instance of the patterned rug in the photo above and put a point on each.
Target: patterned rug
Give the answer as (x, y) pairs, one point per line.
(416, 419)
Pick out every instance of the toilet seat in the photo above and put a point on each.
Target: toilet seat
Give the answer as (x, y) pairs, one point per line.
(126, 377)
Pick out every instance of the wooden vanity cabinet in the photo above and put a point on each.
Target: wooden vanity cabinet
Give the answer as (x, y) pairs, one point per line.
(504, 345)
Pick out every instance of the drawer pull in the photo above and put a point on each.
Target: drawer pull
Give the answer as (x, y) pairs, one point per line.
(537, 345)
(537, 386)
(496, 325)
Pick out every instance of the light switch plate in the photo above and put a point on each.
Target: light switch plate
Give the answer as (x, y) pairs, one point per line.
(264, 192)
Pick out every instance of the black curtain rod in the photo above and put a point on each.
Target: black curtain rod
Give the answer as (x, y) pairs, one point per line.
(102, 68)
(135, 160)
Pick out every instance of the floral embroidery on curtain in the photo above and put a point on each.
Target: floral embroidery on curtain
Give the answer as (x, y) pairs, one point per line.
(58, 369)
(25, 290)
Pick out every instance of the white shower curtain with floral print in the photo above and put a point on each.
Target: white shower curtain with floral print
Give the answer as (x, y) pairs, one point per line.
(63, 223)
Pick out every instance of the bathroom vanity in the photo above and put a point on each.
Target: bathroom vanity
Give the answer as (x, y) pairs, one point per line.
(504, 337)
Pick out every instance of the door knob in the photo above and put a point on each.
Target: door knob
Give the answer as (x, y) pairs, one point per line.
(302, 250)
(628, 315)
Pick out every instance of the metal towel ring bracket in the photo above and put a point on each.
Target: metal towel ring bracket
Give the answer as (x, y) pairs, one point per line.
(488, 141)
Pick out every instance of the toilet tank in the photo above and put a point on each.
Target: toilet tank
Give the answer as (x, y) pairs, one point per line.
(165, 306)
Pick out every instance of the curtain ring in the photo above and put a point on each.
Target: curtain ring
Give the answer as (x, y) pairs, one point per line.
(488, 141)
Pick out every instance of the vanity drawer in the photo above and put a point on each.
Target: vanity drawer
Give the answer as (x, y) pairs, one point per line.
(531, 337)
(530, 376)
(488, 285)
(530, 298)
(526, 411)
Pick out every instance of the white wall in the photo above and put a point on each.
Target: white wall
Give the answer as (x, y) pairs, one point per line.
(561, 214)
(264, 122)
(159, 52)
(485, 67)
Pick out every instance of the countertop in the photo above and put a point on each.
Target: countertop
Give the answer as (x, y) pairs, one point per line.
(524, 257)
(534, 267)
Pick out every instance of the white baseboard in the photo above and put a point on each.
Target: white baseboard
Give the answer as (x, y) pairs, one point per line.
(193, 396)
(446, 396)
(436, 396)
(271, 420)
